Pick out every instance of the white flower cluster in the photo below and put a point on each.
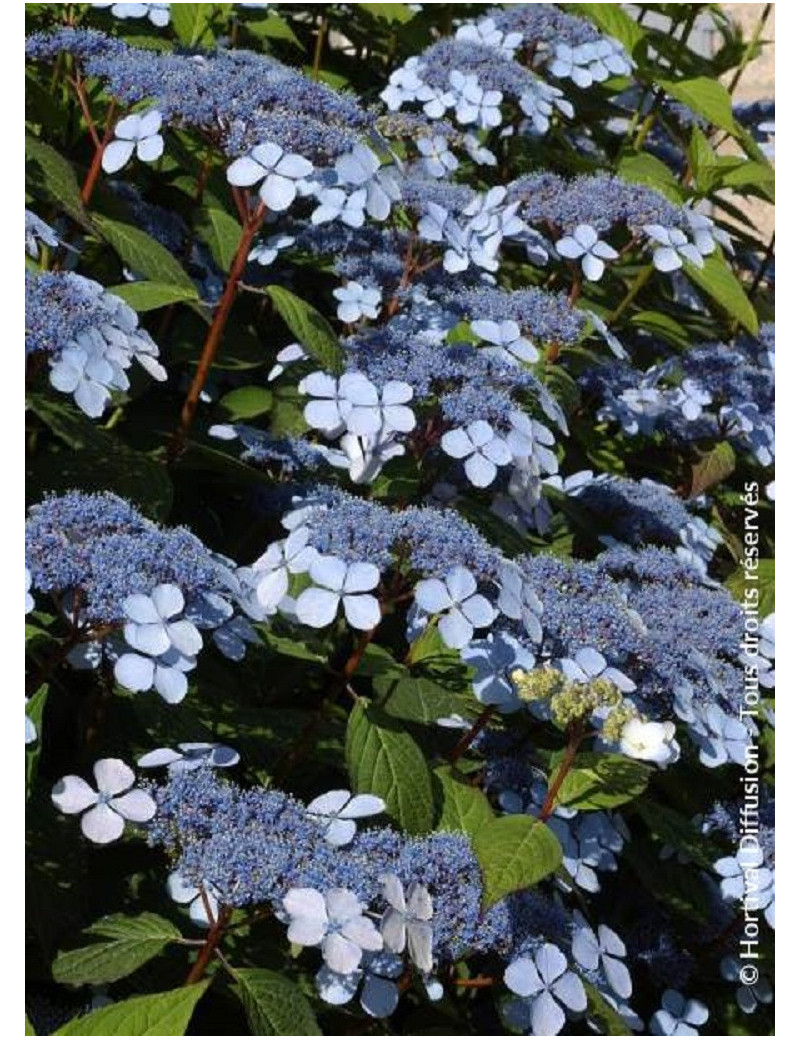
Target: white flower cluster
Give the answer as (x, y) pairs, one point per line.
(96, 362)
(366, 418)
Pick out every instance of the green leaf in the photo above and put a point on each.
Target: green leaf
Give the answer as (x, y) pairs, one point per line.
(712, 468)
(706, 96)
(142, 253)
(246, 402)
(642, 168)
(29, 1030)
(149, 296)
(192, 23)
(399, 13)
(664, 326)
(602, 1014)
(293, 647)
(464, 808)
(602, 781)
(275, 1006)
(34, 709)
(674, 829)
(384, 760)
(514, 852)
(222, 234)
(54, 177)
(613, 20)
(717, 280)
(377, 661)
(430, 649)
(703, 161)
(749, 174)
(309, 327)
(419, 699)
(763, 577)
(135, 941)
(98, 460)
(273, 27)
(156, 1014)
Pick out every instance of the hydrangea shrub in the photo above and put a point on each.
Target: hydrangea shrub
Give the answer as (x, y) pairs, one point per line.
(399, 554)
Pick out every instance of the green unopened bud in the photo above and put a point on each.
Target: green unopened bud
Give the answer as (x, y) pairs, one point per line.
(538, 685)
(617, 719)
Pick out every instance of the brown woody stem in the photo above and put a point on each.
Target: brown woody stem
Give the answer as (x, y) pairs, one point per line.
(476, 727)
(215, 934)
(576, 733)
(217, 327)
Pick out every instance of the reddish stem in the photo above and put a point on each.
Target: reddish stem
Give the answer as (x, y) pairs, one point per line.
(576, 734)
(466, 741)
(216, 329)
(354, 660)
(480, 982)
(215, 934)
(100, 145)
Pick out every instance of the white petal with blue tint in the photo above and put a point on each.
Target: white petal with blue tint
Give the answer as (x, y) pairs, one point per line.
(141, 609)
(362, 612)
(72, 795)
(113, 776)
(522, 978)
(480, 471)
(134, 672)
(150, 148)
(136, 805)
(102, 825)
(362, 805)
(170, 683)
(317, 607)
(432, 595)
(361, 577)
(116, 154)
(455, 630)
(547, 1018)
(277, 192)
(340, 953)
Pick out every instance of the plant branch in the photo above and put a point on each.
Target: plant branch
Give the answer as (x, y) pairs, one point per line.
(749, 50)
(217, 327)
(100, 146)
(576, 732)
(215, 934)
(639, 283)
(466, 741)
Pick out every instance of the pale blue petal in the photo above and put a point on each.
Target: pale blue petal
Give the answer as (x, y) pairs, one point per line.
(102, 825)
(116, 154)
(522, 978)
(278, 192)
(244, 172)
(362, 612)
(330, 572)
(569, 990)
(480, 471)
(329, 804)
(317, 607)
(134, 672)
(547, 1018)
(550, 963)
(150, 148)
(455, 630)
(361, 577)
(340, 832)
(432, 595)
(171, 684)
